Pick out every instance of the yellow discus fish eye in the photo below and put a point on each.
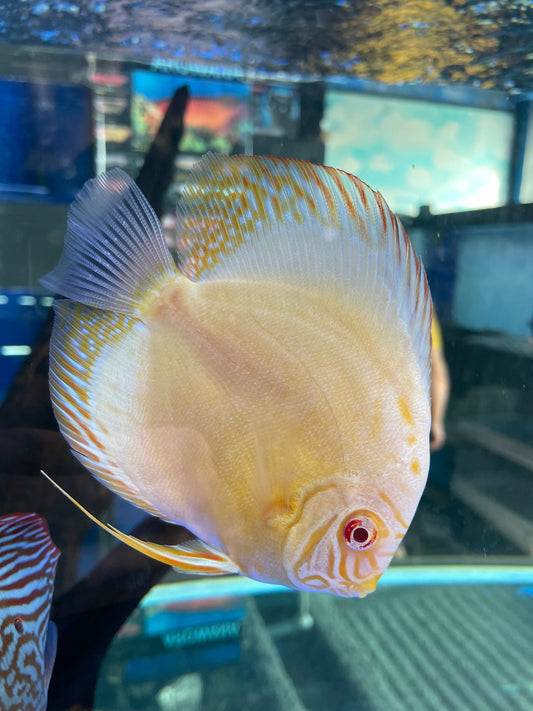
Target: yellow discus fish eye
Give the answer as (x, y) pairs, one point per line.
(361, 531)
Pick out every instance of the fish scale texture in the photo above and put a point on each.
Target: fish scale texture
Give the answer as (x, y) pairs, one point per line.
(434, 649)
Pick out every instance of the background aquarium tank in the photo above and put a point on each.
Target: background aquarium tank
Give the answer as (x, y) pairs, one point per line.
(427, 101)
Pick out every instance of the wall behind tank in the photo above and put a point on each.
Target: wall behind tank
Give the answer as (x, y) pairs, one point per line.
(494, 279)
(31, 238)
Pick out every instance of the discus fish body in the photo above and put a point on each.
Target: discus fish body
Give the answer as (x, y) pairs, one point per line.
(28, 641)
(271, 394)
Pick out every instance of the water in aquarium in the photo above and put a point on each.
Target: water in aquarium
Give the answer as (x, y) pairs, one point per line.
(266, 355)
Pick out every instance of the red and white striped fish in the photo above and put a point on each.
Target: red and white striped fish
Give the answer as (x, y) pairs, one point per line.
(28, 559)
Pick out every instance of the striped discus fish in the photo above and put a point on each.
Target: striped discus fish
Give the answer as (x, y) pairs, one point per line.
(272, 393)
(28, 560)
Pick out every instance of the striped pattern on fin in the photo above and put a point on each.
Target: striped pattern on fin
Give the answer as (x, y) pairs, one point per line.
(28, 560)
(80, 336)
(245, 217)
(114, 253)
(194, 556)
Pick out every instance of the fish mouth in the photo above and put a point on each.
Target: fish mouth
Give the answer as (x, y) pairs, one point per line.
(361, 589)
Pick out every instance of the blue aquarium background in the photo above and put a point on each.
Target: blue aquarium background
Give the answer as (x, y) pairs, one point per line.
(46, 140)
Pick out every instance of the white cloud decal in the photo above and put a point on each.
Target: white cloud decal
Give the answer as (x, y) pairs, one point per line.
(414, 153)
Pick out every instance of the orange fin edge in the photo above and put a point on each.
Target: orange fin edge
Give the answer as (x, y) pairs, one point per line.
(194, 556)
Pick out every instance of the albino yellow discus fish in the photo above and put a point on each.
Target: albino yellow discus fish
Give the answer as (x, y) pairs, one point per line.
(271, 393)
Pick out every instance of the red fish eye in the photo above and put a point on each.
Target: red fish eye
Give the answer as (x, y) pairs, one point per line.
(360, 533)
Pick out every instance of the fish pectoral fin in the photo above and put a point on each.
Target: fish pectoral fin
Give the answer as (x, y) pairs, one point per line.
(195, 556)
(50, 650)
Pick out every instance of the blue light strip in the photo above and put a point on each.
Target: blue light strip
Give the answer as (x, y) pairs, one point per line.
(397, 576)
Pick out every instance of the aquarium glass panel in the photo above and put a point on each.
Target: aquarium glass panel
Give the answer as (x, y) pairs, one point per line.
(266, 355)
